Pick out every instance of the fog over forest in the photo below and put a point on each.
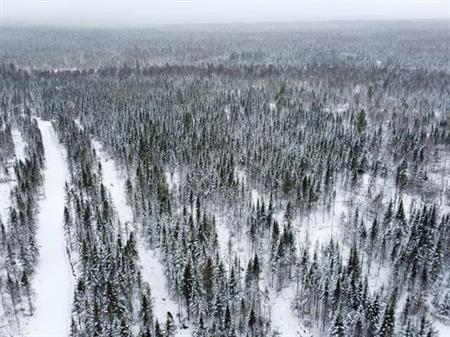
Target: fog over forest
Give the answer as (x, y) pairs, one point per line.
(147, 13)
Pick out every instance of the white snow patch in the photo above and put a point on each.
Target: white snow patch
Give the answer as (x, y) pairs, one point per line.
(284, 320)
(78, 123)
(255, 196)
(19, 144)
(172, 179)
(223, 237)
(241, 176)
(115, 184)
(272, 106)
(227, 112)
(153, 273)
(443, 330)
(233, 241)
(357, 89)
(5, 199)
(53, 282)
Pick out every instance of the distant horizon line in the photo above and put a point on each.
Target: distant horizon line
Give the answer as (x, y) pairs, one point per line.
(350, 19)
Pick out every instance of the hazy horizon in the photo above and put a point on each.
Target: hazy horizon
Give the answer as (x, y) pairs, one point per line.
(141, 13)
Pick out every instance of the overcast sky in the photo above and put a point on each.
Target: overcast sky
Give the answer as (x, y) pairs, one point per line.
(141, 13)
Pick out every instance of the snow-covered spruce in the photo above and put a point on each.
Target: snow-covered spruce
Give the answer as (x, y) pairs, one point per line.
(19, 251)
(288, 182)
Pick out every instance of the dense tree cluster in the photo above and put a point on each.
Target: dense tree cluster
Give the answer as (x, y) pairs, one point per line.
(237, 151)
(18, 250)
(110, 297)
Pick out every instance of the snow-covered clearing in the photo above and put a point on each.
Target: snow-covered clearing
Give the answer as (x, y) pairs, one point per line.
(53, 282)
(19, 144)
(153, 274)
(5, 201)
(283, 317)
(152, 269)
(443, 330)
(172, 179)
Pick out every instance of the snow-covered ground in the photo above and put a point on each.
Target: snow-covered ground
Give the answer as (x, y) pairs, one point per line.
(5, 201)
(153, 273)
(283, 318)
(172, 179)
(19, 144)
(152, 269)
(235, 242)
(115, 184)
(443, 330)
(53, 282)
(312, 231)
(317, 228)
(7, 183)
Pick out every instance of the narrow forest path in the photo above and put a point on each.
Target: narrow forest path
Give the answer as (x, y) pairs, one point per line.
(152, 268)
(53, 282)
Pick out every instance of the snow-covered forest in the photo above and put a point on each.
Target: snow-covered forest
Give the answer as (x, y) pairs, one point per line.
(245, 181)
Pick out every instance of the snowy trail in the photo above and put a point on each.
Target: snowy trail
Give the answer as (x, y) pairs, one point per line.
(53, 282)
(152, 269)
(115, 184)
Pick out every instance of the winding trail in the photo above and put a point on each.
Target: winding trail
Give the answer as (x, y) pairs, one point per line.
(53, 282)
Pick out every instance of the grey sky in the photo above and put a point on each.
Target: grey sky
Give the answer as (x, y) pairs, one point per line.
(140, 13)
